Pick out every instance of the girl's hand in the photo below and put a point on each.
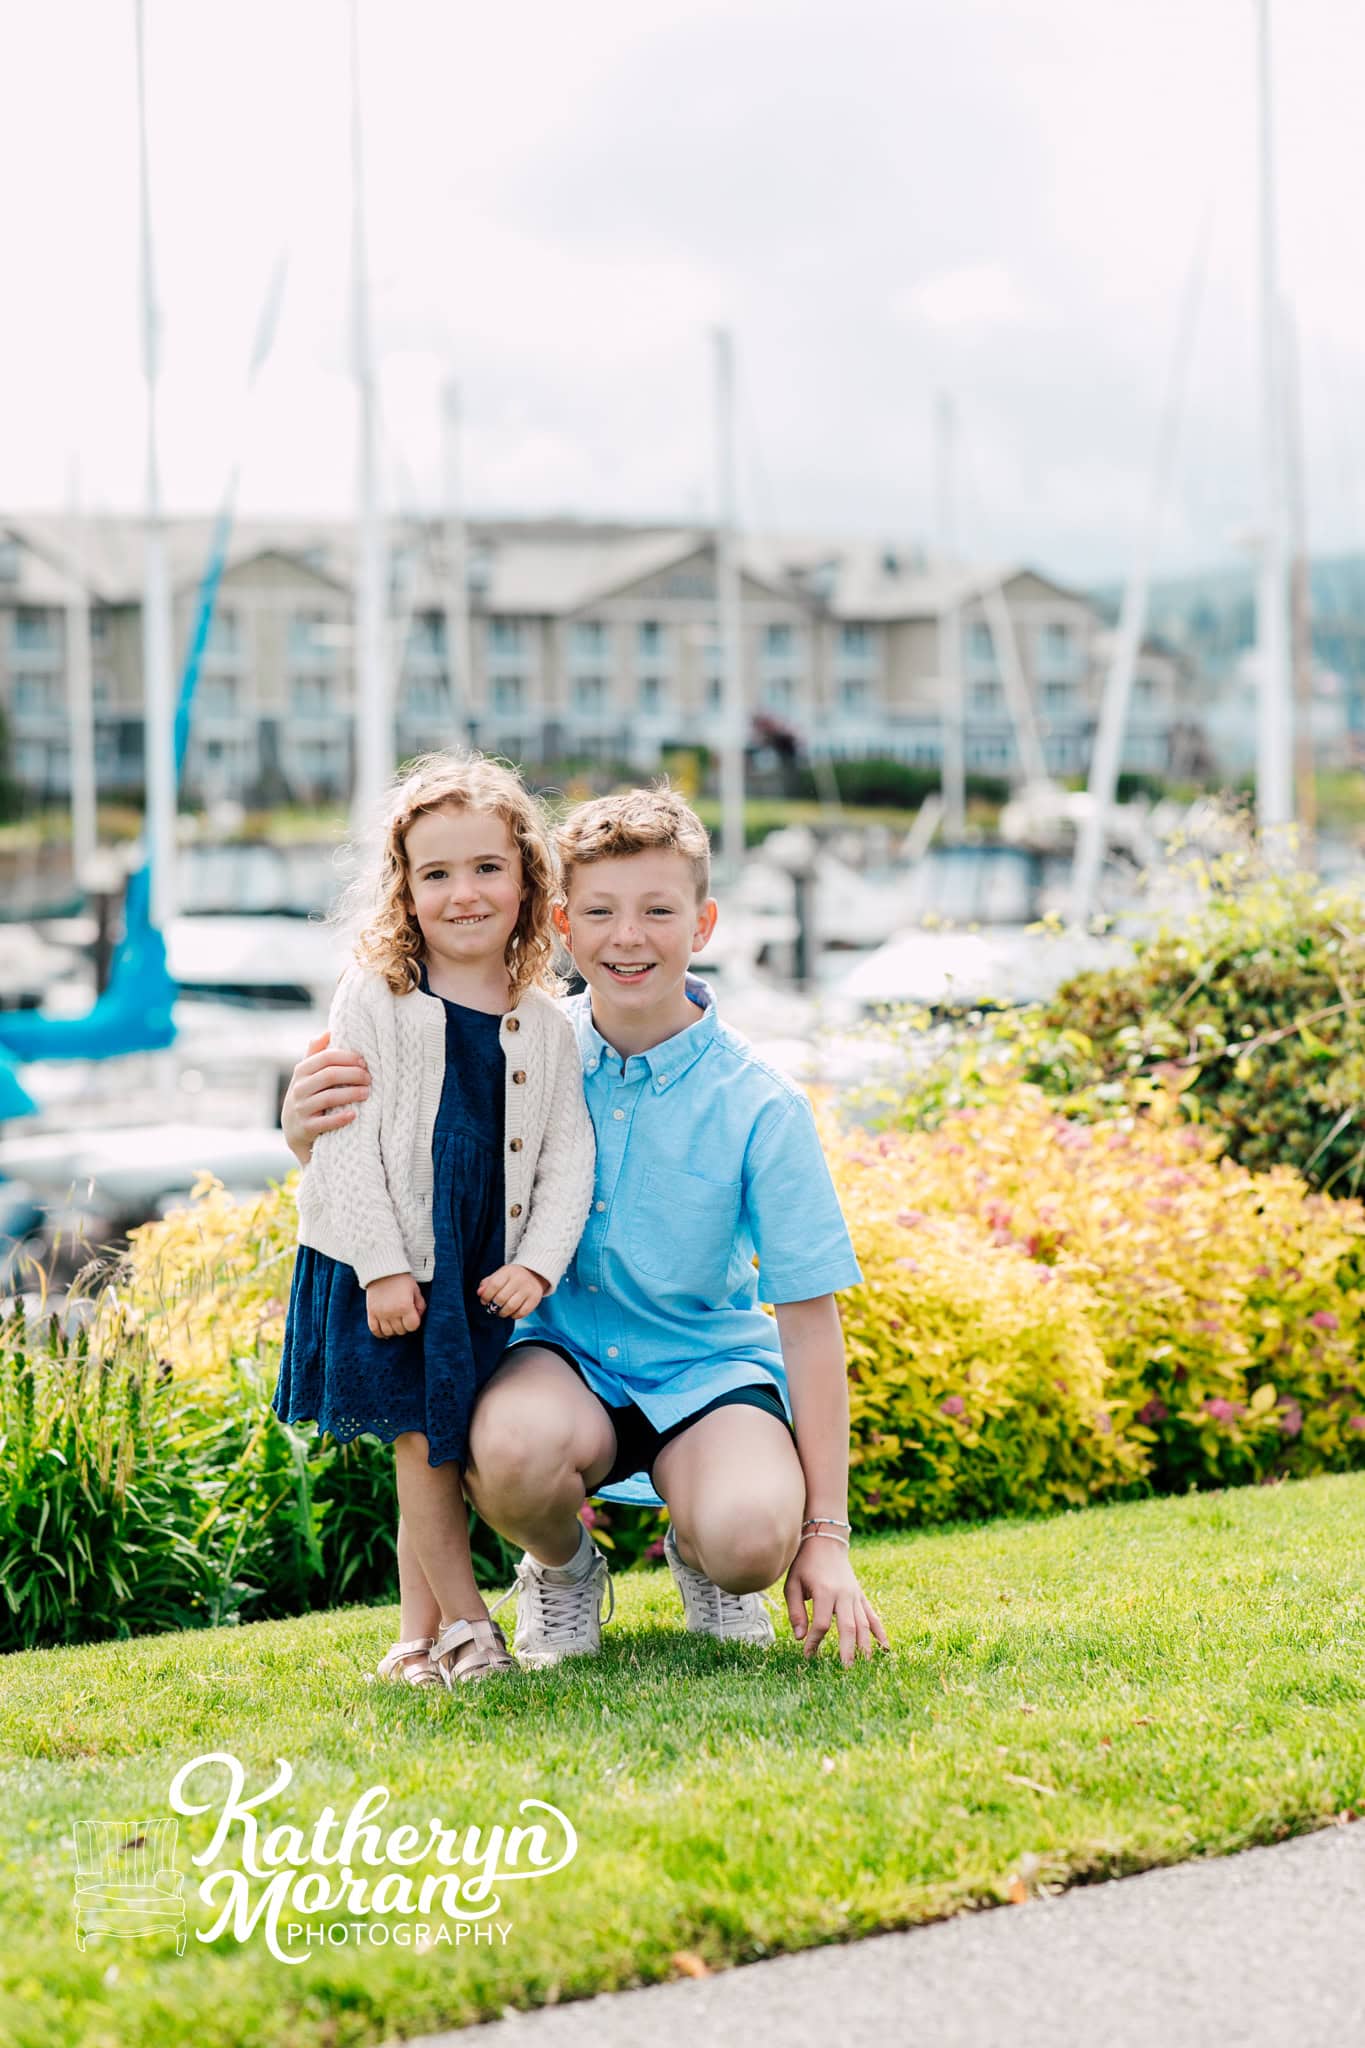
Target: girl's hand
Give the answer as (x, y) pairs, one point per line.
(321, 1089)
(394, 1305)
(822, 1573)
(512, 1291)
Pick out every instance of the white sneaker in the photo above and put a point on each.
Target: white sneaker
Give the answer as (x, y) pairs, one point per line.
(556, 1621)
(711, 1611)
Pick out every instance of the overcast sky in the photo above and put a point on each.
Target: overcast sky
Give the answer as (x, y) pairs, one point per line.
(883, 198)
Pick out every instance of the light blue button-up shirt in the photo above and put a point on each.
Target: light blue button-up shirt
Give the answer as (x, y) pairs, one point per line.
(706, 1158)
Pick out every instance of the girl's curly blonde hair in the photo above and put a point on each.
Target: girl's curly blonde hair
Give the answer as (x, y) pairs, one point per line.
(390, 939)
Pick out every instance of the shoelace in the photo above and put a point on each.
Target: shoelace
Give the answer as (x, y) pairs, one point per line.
(558, 1606)
(729, 1606)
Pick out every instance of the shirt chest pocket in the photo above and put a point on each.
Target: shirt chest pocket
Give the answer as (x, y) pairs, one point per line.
(682, 1228)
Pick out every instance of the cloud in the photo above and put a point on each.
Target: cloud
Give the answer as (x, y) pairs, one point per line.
(975, 298)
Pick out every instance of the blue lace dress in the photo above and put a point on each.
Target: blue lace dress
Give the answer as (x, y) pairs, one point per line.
(332, 1371)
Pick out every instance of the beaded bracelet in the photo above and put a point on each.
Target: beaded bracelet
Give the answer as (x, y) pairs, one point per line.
(832, 1534)
(827, 1522)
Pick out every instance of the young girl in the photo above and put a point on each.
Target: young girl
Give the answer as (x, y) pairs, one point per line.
(453, 1201)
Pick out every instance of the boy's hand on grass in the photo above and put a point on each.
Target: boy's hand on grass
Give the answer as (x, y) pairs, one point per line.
(394, 1305)
(512, 1291)
(823, 1576)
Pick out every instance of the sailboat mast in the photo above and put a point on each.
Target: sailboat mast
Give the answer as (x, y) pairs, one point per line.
(458, 651)
(1274, 728)
(951, 698)
(374, 736)
(80, 704)
(158, 703)
(728, 606)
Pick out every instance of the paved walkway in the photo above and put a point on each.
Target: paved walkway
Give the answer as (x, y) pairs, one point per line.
(1261, 1950)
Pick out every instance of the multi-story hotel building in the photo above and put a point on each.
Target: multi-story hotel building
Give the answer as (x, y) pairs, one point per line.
(585, 640)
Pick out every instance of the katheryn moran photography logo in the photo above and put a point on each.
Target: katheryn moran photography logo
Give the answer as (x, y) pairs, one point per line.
(338, 1879)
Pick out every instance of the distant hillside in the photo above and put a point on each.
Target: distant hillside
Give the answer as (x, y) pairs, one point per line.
(1211, 616)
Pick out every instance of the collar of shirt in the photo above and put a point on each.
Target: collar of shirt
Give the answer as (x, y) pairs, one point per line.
(664, 1062)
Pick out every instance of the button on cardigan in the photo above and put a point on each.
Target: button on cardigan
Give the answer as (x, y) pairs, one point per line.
(365, 1195)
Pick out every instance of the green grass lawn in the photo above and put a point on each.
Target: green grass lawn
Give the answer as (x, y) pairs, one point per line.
(1067, 1700)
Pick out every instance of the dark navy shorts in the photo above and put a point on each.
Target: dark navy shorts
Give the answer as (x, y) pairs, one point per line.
(638, 1440)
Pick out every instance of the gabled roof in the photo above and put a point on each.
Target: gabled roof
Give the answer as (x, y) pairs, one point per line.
(551, 568)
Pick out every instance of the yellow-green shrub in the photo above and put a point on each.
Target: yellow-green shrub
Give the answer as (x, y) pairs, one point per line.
(209, 1284)
(1228, 1307)
(976, 1384)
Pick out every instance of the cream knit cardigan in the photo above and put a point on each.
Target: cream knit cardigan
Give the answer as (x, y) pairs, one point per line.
(365, 1195)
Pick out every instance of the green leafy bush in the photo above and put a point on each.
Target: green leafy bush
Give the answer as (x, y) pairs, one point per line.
(1256, 1006)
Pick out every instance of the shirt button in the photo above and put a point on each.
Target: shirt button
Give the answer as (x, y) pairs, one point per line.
(612, 1352)
(663, 1080)
(591, 1288)
(619, 1115)
(518, 1078)
(599, 1206)
(515, 1209)
(514, 1023)
(515, 1145)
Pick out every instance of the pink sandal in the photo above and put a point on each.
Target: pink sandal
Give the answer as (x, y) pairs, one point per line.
(469, 1650)
(396, 1670)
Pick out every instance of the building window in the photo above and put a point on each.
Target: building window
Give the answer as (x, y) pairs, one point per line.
(652, 698)
(9, 559)
(856, 641)
(588, 640)
(310, 697)
(224, 634)
(504, 636)
(507, 696)
(980, 645)
(312, 637)
(101, 688)
(779, 693)
(1059, 699)
(589, 696)
(853, 695)
(649, 640)
(216, 696)
(1146, 687)
(714, 694)
(427, 635)
(988, 699)
(35, 696)
(1054, 647)
(778, 642)
(34, 632)
(424, 697)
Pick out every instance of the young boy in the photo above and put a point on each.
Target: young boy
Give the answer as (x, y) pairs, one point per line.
(651, 1372)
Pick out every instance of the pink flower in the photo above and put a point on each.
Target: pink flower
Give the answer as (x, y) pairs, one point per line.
(953, 1405)
(1104, 1425)
(1355, 1422)
(873, 1497)
(1152, 1412)
(1291, 1418)
(1323, 1319)
(587, 1515)
(908, 1218)
(655, 1549)
(1220, 1410)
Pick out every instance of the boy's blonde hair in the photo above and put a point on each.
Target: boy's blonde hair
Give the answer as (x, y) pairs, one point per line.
(635, 821)
(390, 939)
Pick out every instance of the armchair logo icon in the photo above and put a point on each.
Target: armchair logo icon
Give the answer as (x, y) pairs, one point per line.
(126, 1881)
